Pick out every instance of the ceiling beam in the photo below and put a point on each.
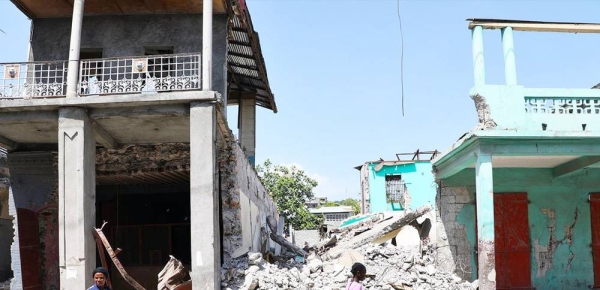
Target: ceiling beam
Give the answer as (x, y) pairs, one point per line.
(455, 165)
(574, 166)
(539, 26)
(8, 144)
(103, 137)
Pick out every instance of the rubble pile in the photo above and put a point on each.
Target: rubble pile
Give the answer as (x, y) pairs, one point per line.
(388, 267)
(5, 285)
(394, 253)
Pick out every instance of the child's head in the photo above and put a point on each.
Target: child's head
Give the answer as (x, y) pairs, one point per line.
(100, 276)
(359, 271)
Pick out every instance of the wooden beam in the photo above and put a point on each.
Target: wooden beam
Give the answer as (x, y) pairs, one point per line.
(103, 137)
(536, 26)
(244, 66)
(241, 55)
(574, 166)
(100, 235)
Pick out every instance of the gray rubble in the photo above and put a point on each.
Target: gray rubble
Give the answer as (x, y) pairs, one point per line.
(5, 285)
(388, 267)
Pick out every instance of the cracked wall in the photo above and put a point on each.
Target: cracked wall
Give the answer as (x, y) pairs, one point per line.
(559, 221)
(245, 203)
(484, 113)
(456, 232)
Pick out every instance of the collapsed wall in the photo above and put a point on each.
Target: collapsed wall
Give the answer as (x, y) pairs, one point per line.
(245, 203)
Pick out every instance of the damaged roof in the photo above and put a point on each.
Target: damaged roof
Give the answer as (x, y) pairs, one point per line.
(245, 63)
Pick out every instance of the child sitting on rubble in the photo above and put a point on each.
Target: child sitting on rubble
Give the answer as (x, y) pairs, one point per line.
(358, 274)
(100, 277)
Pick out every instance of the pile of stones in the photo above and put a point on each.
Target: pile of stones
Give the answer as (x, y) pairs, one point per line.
(5, 285)
(388, 267)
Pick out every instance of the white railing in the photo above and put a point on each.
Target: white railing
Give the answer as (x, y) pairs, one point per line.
(172, 72)
(28, 80)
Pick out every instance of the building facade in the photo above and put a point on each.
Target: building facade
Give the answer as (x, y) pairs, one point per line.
(119, 116)
(397, 185)
(518, 203)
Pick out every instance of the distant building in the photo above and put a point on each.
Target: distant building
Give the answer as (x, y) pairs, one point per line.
(333, 215)
(316, 202)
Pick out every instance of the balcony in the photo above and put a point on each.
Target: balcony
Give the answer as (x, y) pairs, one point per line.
(106, 76)
(30, 80)
(160, 73)
(514, 110)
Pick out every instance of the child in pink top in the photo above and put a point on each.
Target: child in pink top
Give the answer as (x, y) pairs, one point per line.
(358, 274)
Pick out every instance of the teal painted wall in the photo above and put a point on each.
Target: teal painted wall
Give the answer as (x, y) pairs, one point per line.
(559, 221)
(419, 180)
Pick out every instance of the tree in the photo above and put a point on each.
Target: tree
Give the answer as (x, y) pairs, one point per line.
(351, 202)
(290, 189)
(346, 202)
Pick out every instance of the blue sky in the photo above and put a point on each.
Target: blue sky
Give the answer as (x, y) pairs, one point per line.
(334, 66)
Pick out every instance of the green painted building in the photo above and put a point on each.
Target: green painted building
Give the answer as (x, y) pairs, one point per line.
(397, 185)
(518, 199)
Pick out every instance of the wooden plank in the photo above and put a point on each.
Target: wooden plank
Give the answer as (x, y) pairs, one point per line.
(102, 258)
(98, 233)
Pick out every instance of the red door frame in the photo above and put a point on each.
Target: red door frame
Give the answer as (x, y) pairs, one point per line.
(29, 246)
(594, 199)
(512, 241)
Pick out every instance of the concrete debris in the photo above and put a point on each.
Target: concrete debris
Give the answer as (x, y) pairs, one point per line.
(5, 285)
(388, 267)
(395, 256)
(378, 231)
(281, 240)
(172, 275)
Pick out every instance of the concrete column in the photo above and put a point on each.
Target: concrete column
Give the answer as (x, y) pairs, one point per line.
(247, 127)
(75, 47)
(478, 61)
(207, 32)
(484, 187)
(15, 255)
(508, 49)
(76, 198)
(204, 198)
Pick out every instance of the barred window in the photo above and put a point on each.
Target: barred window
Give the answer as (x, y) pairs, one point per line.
(394, 188)
(336, 216)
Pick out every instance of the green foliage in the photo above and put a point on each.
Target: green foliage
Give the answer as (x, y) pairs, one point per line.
(290, 188)
(330, 203)
(351, 202)
(346, 202)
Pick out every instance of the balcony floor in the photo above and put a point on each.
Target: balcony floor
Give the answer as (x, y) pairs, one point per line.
(127, 119)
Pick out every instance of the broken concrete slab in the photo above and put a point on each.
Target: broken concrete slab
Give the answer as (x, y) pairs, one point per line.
(350, 257)
(281, 240)
(379, 230)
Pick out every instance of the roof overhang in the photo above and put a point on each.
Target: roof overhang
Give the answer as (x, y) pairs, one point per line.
(540, 26)
(64, 8)
(564, 152)
(245, 62)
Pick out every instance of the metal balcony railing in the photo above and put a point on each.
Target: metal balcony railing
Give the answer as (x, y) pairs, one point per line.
(157, 73)
(26, 80)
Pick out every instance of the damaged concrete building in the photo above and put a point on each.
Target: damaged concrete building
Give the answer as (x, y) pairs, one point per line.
(120, 115)
(518, 197)
(393, 185)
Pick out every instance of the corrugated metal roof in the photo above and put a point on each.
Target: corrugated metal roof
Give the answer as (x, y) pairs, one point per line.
(245, 60)
(331, 209)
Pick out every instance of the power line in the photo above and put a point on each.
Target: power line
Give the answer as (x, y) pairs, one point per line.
(401, 57)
